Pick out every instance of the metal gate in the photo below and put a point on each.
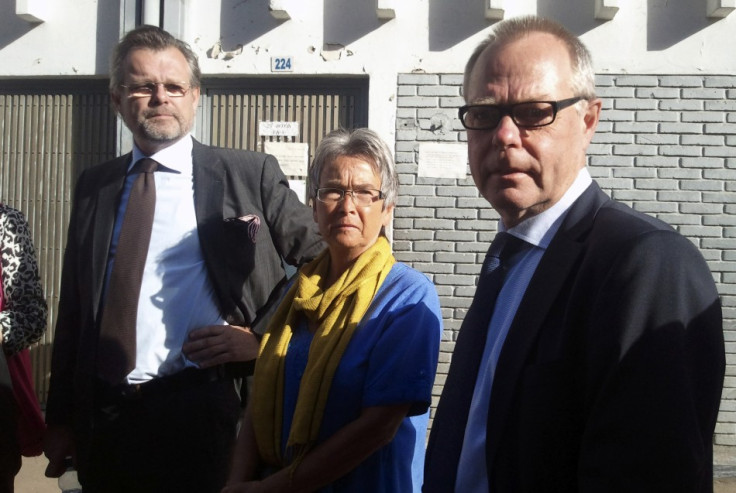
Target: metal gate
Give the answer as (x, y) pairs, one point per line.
(49, 132)
(52, 130)
(234, 109)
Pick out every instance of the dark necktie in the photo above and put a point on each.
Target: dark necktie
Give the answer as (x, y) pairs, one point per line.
(448, 428)
(493, 272)
(117, 347)
(492, 277)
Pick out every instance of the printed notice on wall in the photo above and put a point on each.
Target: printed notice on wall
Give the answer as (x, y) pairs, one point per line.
(278, 129)
(293, 156)
(442, 160)
(300, 187)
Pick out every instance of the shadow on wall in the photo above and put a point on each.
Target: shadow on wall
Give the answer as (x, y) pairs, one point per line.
(689, 17)
(12, 27)
(242, 22)
(453, 22)
(346, 21)
(576, 15)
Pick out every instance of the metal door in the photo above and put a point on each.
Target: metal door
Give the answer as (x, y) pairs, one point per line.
(235, 108)
(49, 132)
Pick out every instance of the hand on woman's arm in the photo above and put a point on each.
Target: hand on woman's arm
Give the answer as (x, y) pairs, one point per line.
(246, 460)
(338, 455)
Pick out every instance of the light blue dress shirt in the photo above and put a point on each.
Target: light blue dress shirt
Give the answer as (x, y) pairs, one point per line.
(538, 231)
(176, 293)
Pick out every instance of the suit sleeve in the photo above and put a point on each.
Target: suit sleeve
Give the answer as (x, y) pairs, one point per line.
(655, 364)
(293, 229)
(60, 402)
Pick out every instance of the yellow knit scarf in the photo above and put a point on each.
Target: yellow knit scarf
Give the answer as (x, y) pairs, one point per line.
(336, 311)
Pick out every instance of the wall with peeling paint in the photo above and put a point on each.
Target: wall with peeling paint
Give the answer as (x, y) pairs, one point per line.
(336, 37)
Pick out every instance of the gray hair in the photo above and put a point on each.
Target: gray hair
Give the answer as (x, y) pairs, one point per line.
(150, 38)
(361, 142)
(583, 78)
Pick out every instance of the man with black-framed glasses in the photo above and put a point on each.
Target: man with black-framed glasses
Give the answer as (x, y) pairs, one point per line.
(592, 356)
(172, 265)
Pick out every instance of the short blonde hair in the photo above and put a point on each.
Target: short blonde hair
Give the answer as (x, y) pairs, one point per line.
(506, 31)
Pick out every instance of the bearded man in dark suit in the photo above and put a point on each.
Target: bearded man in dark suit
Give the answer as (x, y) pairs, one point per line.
(597, 361)
(222, 223)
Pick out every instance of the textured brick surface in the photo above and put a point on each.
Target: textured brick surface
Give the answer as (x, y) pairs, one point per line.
(665, 146)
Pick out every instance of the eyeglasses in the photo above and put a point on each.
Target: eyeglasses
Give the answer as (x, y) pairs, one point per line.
(529, 114)
(146, 90)
(361, 197)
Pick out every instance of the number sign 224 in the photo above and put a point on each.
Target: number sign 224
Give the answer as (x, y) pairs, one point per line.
(282, 64)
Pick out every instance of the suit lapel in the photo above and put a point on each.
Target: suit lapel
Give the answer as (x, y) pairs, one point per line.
(208, 192)
(549, 278)
(451, 417)
(108, 196)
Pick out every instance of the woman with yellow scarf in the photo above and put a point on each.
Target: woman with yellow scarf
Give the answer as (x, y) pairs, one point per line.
(343, 381)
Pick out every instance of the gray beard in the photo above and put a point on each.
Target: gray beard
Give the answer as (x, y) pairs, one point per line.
(156, 133)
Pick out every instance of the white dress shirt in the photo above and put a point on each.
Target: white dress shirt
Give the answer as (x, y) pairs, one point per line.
(176, 293)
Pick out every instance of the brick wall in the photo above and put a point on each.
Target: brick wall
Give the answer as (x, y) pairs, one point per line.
(666, 145)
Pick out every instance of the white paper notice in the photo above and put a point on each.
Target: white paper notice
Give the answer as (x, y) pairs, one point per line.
(278, 129)
(293, 156)
(300, 187)
(443, 160)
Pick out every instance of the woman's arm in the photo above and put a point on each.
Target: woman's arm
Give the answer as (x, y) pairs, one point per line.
(23, 319)
(401, 369)
(336, 456)
(246, 460)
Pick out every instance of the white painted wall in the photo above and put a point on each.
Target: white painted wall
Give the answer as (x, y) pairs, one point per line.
(335, 37)
(74, 39)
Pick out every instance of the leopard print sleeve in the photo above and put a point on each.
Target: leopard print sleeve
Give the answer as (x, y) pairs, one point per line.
(23, 319)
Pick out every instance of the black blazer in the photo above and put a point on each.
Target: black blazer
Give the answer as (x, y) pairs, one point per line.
(610, 377)
(246, 276)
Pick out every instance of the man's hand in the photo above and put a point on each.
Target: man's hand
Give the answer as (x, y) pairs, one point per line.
(58, 444)
(217, 344)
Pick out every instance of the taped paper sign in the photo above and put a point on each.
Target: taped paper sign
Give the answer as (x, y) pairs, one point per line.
(293, 156)
(443, 160)
(278, 129)
(300, 187)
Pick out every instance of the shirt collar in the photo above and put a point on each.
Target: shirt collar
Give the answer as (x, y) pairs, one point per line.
(176, 157)
(540, 229)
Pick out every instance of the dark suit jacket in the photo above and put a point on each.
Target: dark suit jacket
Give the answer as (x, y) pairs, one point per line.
(610, 377)
(245, 275)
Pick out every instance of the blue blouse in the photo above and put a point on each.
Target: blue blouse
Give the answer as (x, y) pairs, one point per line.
(391, 359)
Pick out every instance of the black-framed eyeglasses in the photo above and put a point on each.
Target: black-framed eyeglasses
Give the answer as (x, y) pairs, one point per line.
(362, 197)
(528, 114)
(146, 90)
